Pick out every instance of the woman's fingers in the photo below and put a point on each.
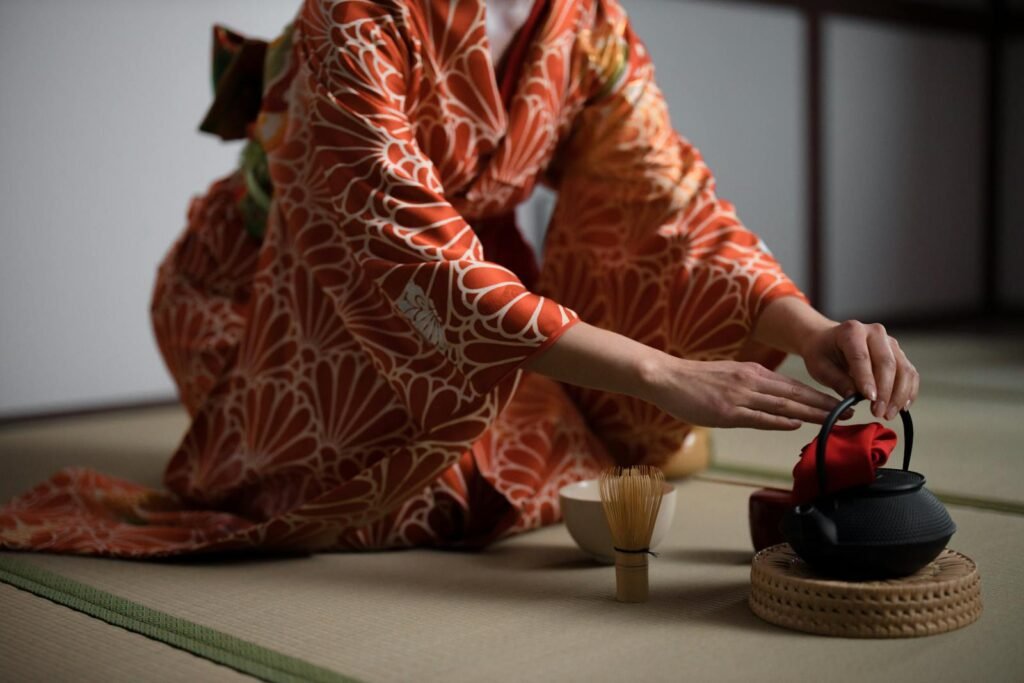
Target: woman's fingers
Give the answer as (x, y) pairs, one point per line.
(905, 388)
(853, 343)
(756, 419)
(787, 397)
(879, 368)
(795, 390)
(883, 363)
(734, 394)
(786, 408)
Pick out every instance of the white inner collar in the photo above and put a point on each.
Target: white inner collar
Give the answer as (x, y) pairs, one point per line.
(503, 19)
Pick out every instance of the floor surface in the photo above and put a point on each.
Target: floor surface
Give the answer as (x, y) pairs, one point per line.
(533, 607)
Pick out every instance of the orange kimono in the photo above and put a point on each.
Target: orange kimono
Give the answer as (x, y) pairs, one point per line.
(347, 315)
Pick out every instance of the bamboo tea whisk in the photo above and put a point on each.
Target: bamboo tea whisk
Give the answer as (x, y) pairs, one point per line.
(631, 498)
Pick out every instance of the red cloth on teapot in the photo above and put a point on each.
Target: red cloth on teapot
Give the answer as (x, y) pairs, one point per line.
(853, 454)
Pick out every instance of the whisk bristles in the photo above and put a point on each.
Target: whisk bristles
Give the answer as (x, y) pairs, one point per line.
(631, 498)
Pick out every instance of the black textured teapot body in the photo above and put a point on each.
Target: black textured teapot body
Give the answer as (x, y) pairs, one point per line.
(889, 528)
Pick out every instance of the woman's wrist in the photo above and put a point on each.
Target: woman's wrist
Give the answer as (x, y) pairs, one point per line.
(655, 372)
(790, 324)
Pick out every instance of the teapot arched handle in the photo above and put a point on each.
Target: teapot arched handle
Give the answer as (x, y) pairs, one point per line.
(830, 421)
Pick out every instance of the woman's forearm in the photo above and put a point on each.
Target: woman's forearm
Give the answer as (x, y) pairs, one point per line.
(788, 324)
(595, 358)
(843, 357)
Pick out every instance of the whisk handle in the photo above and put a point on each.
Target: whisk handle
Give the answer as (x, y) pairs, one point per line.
(631, 583)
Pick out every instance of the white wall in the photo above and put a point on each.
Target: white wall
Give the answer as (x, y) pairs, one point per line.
(903, 136)
(99, 154)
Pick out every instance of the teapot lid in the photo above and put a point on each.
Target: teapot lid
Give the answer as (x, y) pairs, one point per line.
(888, 481)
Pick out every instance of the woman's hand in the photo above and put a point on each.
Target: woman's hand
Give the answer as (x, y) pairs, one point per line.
(732, 394)
(853, 356)
(845, 357)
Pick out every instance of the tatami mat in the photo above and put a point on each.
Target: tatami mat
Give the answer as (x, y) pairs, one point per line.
(533, 608)
(42, 641)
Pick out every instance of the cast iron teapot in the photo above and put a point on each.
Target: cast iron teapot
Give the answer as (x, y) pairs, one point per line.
(889, 528)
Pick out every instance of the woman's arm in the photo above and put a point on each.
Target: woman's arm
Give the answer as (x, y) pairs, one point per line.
(627, 179)
(844, 356)
(707, 393)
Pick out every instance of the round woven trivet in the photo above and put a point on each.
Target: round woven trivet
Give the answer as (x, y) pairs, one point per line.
(944, 596)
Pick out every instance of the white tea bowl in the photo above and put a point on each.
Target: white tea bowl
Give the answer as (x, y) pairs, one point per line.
(584, 517)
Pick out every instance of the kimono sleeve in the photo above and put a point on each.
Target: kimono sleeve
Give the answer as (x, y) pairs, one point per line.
(629, 184)
(371, 207)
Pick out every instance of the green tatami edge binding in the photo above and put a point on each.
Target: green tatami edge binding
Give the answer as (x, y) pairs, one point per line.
(980, 503)
(202, 641)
